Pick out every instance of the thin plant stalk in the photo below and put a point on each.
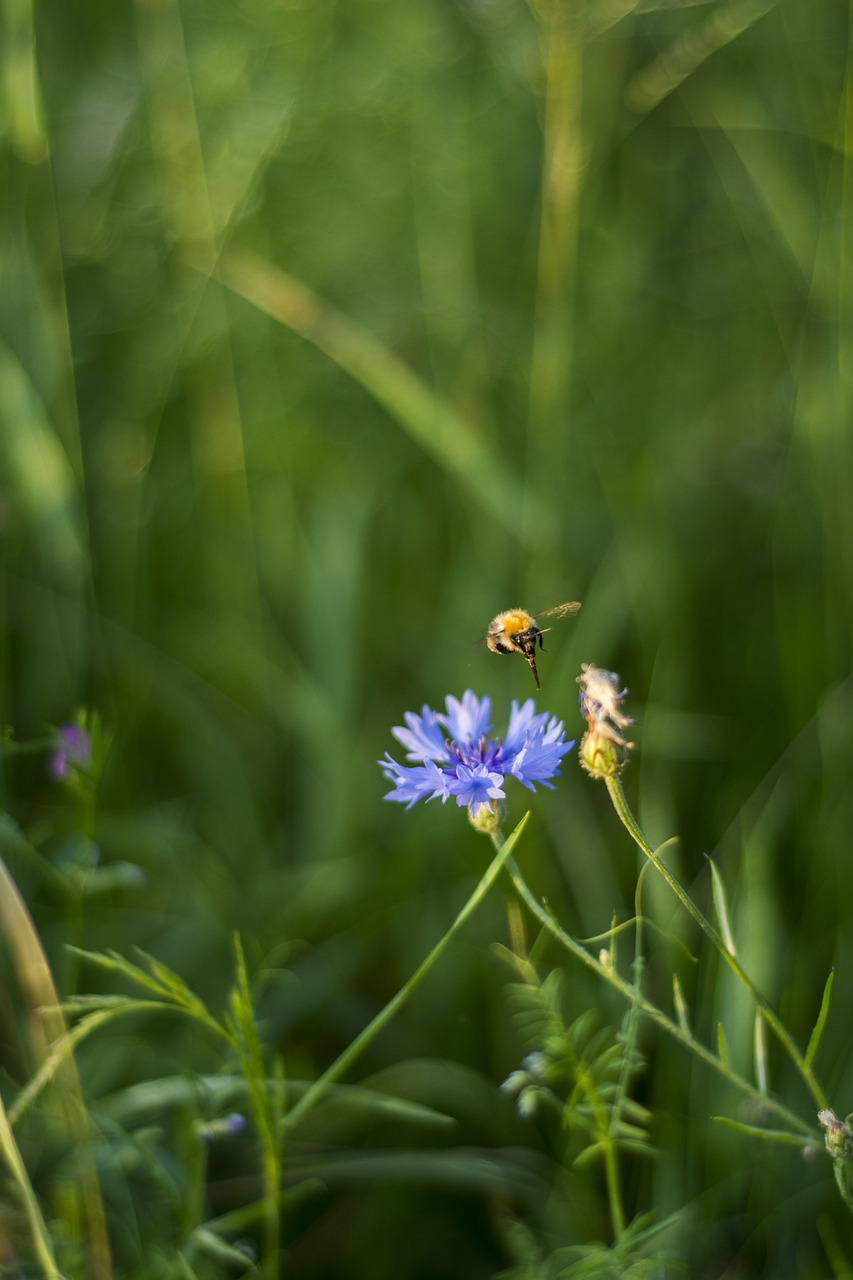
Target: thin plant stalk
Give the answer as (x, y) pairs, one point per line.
(620, 804)
(841, 1172)
(562, 171)
(250, 1056)
(38, 1230)
(611, 1161)
(645, 1006)
(47, 1028)
(354, 1050)
(426, 417)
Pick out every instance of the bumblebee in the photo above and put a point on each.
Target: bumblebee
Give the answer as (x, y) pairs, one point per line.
(517, 631)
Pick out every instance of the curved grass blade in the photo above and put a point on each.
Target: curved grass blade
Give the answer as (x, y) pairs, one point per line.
(47, 1029)
(815, 1037)
(38, 1230)
(723, 1047)
(40, 473)
(760, 1043)
(722, 908)
(691, 48)
(426, 417)
(680, 1004)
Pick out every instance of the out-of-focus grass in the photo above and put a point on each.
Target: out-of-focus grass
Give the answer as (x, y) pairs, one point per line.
(613, 246)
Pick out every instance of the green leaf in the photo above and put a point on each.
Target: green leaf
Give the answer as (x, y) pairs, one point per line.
(815, 1037)
(783, 1136)
(722, 909)
(213, 1246)
(443, 433)
(760, 1048)
(680, 1005)
(722, 1046)
(41, 475)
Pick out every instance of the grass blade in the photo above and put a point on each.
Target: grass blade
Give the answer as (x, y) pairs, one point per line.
(721, 907)
(430, 421)
(681, 1011)
(722, 1047)
(47, 1027)
(40, 472)
(760, 1043)
(815, 1037)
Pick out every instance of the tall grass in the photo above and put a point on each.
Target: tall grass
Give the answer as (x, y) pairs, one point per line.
(327, 331)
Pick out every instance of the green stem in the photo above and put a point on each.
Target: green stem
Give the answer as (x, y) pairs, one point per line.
(614, 1192)
(842, 1180)
(38, 1229)
(602, 1118)
(620, 804)
(611, 1165)
(354, 1050)
(272, 1212)
(48, 1028)
(656, 1015)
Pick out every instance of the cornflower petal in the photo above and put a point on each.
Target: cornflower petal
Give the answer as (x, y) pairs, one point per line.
(554, 731)
(420, 782)
(467, 721)
(476, 787)
(538, 761)
(467, 765)
(522, 721)
(424, 738)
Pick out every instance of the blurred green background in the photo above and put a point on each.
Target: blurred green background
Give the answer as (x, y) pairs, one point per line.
(328, 330)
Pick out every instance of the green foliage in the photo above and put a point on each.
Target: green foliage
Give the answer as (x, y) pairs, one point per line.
(326, 332)
(581, 1068)
(637, 1254)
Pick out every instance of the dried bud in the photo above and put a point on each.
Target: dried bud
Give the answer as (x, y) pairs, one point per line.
(601, 701)
(603, 749)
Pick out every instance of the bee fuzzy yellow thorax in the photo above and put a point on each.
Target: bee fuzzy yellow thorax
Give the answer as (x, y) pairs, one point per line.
(512, 622)
(517, 631)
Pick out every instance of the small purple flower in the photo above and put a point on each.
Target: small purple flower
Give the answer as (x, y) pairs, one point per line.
(455, 758)
(72, 750)
(224, 1127)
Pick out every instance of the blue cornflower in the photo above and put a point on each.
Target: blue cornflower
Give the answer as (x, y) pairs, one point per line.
(457, 759)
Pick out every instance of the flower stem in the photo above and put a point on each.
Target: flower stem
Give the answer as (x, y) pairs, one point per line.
(620, 804)
(614, 1191)
(656, 1015)
(354, 1050)
(842, 1180)
(515, 924)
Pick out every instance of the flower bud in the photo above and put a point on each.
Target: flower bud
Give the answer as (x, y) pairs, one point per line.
(488, 818)
(838, 1135)
(600, 755)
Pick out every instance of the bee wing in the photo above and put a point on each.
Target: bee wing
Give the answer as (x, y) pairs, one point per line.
(567, 610)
